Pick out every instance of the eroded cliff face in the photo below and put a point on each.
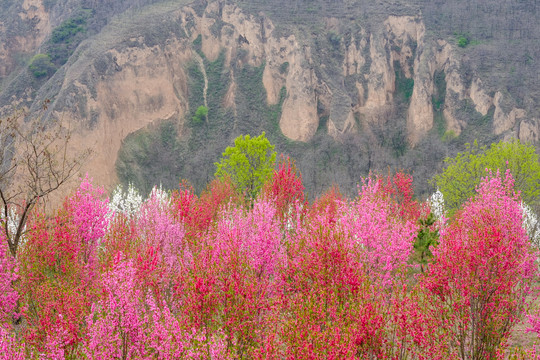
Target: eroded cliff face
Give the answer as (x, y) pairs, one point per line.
(372, 58)
(109, 91)
(122, 92)
(287, 63)
(402, 43)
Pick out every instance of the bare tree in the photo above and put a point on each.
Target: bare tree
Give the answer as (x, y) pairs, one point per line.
(34, 161)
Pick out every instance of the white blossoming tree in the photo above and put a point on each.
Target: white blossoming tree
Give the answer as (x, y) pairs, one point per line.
(125, 202)
(531, 224)
(436, 203)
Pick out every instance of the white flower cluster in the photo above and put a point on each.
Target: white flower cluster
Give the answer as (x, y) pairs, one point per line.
(13, 222)
(531, 224)
(436, 203)
(160, 195)
(126, 202)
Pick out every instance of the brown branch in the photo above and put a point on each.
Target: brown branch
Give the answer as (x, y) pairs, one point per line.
(39, 167)
(6, 222)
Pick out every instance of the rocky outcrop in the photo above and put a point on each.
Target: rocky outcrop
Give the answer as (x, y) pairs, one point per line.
(482, 101)
(299, 120)
(529, 130)
(502, 120)
(113, 92)
(287, 64)
(408, 36)
(128, 90)
(115, 85)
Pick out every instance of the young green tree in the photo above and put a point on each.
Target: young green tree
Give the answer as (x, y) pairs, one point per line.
(200, 115)
(464, 172)
(249, 163)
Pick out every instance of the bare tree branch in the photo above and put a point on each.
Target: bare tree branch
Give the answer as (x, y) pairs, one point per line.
(34, 162)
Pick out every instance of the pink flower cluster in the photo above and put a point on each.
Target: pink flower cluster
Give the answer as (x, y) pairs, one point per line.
(217, 276)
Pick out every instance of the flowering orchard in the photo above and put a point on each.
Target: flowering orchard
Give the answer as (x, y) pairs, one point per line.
(222, 276)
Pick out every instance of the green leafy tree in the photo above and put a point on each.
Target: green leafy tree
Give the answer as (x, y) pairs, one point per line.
(464, 172)
(249, 163)
(41, 66)
(463, 41)
(200, 115)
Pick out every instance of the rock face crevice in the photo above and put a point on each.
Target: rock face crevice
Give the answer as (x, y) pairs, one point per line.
(352, 76)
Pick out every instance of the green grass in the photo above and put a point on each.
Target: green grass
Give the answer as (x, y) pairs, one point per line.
(283, 68)
(68, 29)
(197, 45)
(41, 66)
(439, 96)
(200, 115)
(437, 100)
(440, 123)
(67, 36)
(462, 41)
(448, 136)
(404, 85)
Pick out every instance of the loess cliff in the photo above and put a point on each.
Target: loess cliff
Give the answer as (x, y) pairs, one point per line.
(345, 89)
